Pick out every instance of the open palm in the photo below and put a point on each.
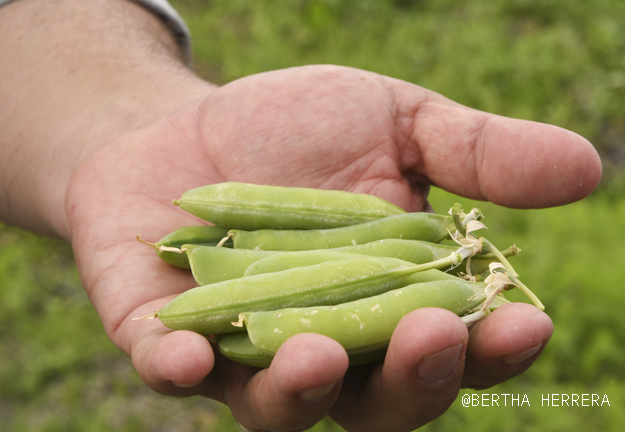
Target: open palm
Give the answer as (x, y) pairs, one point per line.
(331, 128)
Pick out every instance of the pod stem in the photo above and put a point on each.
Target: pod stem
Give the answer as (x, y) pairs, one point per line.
(224, 240)
(162, 248)
(462, 219)
(473, 318)
(525, 290)
(152, 315)
(499, 270)
(511, 251)
(238, 323)
(457, 216)
(452, 260)
(497, 282)
(489, 247)
(145, 241)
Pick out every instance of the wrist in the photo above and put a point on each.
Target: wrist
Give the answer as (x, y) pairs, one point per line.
(73, 85)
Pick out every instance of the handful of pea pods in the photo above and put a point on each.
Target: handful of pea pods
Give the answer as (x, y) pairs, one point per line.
(279, 261)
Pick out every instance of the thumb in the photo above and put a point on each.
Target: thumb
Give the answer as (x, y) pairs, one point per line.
(510, 162)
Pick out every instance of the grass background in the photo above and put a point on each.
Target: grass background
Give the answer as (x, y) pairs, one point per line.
(553, 61)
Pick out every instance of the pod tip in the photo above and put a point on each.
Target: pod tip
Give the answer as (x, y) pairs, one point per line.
(224, 240)
(145, 242)
(152, 315)
(162, 248)
(238, 323)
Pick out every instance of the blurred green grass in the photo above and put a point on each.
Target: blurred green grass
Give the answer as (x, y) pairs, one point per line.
(553, 61)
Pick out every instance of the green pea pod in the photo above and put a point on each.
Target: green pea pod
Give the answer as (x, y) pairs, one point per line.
(438, 275)
(288, 260)
(211, 264)
(210, 309)
(430, 276)
(410, 226)
(414, 251)
(252, 207)
(238, 347)
(206, 235)
(364, 325)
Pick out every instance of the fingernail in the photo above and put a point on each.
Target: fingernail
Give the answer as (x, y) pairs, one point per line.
(316, 394)
(516, 359)
(180, 385)
(437, 367)
(242, 428)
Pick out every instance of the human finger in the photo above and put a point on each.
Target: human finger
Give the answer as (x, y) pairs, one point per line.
(505, 344)
(173, 363)
(510, 162)
(417, 382)
(295, 392)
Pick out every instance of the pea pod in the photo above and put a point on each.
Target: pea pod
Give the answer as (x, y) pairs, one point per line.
(413, 251)
(438, 275)
(238, 347)
(211, 264)
(206, 235)
(407, 250)
(289, 260)
(429, 276)
(214, 264)
(410, 226)
(210, 309)
(363, 325)
(252, 207)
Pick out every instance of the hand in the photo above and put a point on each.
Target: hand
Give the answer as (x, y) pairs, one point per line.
(332, 128)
